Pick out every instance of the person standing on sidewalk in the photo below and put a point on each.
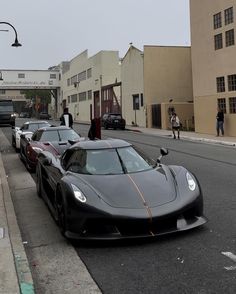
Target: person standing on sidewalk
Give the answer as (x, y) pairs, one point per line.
(220, 122)
(66, 118)
(175, 124)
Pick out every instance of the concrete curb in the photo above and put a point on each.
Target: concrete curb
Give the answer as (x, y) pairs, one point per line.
(189, 138)
(16, 270)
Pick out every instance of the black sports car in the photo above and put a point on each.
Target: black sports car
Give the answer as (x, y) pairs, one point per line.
(107, 189)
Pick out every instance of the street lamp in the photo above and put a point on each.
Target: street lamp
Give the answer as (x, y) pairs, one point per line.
(16, 43)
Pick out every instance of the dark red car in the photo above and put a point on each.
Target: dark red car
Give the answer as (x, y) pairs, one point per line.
(53, 139)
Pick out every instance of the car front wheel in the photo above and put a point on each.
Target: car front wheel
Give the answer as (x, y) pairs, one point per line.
(13, 141)
(61, 212)
(38, 181)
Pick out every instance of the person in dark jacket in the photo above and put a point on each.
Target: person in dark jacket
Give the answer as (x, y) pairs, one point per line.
(66, 118)
(220, 122)
(92, 130)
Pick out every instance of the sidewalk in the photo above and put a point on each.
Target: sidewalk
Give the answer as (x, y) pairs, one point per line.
(192, 136)
(15, 275)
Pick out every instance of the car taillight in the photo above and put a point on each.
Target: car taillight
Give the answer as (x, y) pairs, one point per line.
(30, 152)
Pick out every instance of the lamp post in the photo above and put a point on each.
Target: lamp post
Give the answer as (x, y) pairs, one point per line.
(16, 43)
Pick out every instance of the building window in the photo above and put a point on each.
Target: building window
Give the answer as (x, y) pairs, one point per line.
(73, 98)
(89, 73)
(53, 76)
(229, 16)
(136, 102)
(82, 96)
(222, 104)
(141, 99)
(229, 38)
(232, 83)
(2, 92)
(68, 82)
(21, 76)
(232, 104)
(82, 76)
(89, 94)
(217, 20)
(73, 80)
(218, 41)
(220, 84)
(68, 99)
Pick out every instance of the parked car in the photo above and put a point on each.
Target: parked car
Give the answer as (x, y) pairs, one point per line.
(44, 115)
(7, 114)
(113, 121)
(28, 128)
(24, 115)
(53, 139)
(107, 189)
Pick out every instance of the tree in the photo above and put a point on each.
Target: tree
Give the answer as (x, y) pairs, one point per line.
(45, 95)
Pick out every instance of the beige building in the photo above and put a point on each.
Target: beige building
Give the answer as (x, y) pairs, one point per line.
(154, 82)
(213, 63)
(82, 81)
(167, 77)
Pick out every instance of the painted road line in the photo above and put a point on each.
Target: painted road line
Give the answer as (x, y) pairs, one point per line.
(233, 258)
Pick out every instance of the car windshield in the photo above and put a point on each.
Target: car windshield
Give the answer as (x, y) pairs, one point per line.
(34, 127)
(66, 135)
(6, 108)
(58, 135)
(115, 116)
(109, 161)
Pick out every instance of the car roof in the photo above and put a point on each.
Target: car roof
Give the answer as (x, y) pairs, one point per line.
(55, 128)
(113, 113)
(100, 144)
(36, 122)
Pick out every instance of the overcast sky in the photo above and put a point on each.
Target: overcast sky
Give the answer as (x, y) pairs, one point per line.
(52, 31)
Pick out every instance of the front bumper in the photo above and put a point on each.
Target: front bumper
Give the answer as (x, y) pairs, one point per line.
(93, 226)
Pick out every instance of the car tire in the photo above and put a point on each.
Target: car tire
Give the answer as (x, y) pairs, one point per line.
(38, 181)
(13, 142)
(60, 212)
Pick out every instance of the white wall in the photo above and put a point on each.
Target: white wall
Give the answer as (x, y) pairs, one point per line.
(32, 79)
(132, 83)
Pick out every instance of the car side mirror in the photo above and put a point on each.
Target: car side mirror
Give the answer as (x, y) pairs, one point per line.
(164, 152)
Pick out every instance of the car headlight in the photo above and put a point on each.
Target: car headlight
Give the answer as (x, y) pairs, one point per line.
(78, 194)
(37, 149)
(191, 182)
(13, 115)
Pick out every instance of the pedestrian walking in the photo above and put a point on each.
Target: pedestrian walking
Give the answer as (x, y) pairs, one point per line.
(66, 118)
(220, 122)
(175, 124)
(92, 130)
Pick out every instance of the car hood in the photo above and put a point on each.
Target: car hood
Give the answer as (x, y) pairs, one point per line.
(155, 187)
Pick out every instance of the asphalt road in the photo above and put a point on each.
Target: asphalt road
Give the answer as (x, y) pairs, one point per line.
(190, 262)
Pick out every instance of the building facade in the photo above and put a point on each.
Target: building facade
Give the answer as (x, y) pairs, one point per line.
(167, 78)
(15, 81)
(133, 106)
(84, 81)
(155, 76)
(213, 63)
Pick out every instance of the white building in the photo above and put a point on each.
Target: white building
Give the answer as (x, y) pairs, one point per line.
(82, 82)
